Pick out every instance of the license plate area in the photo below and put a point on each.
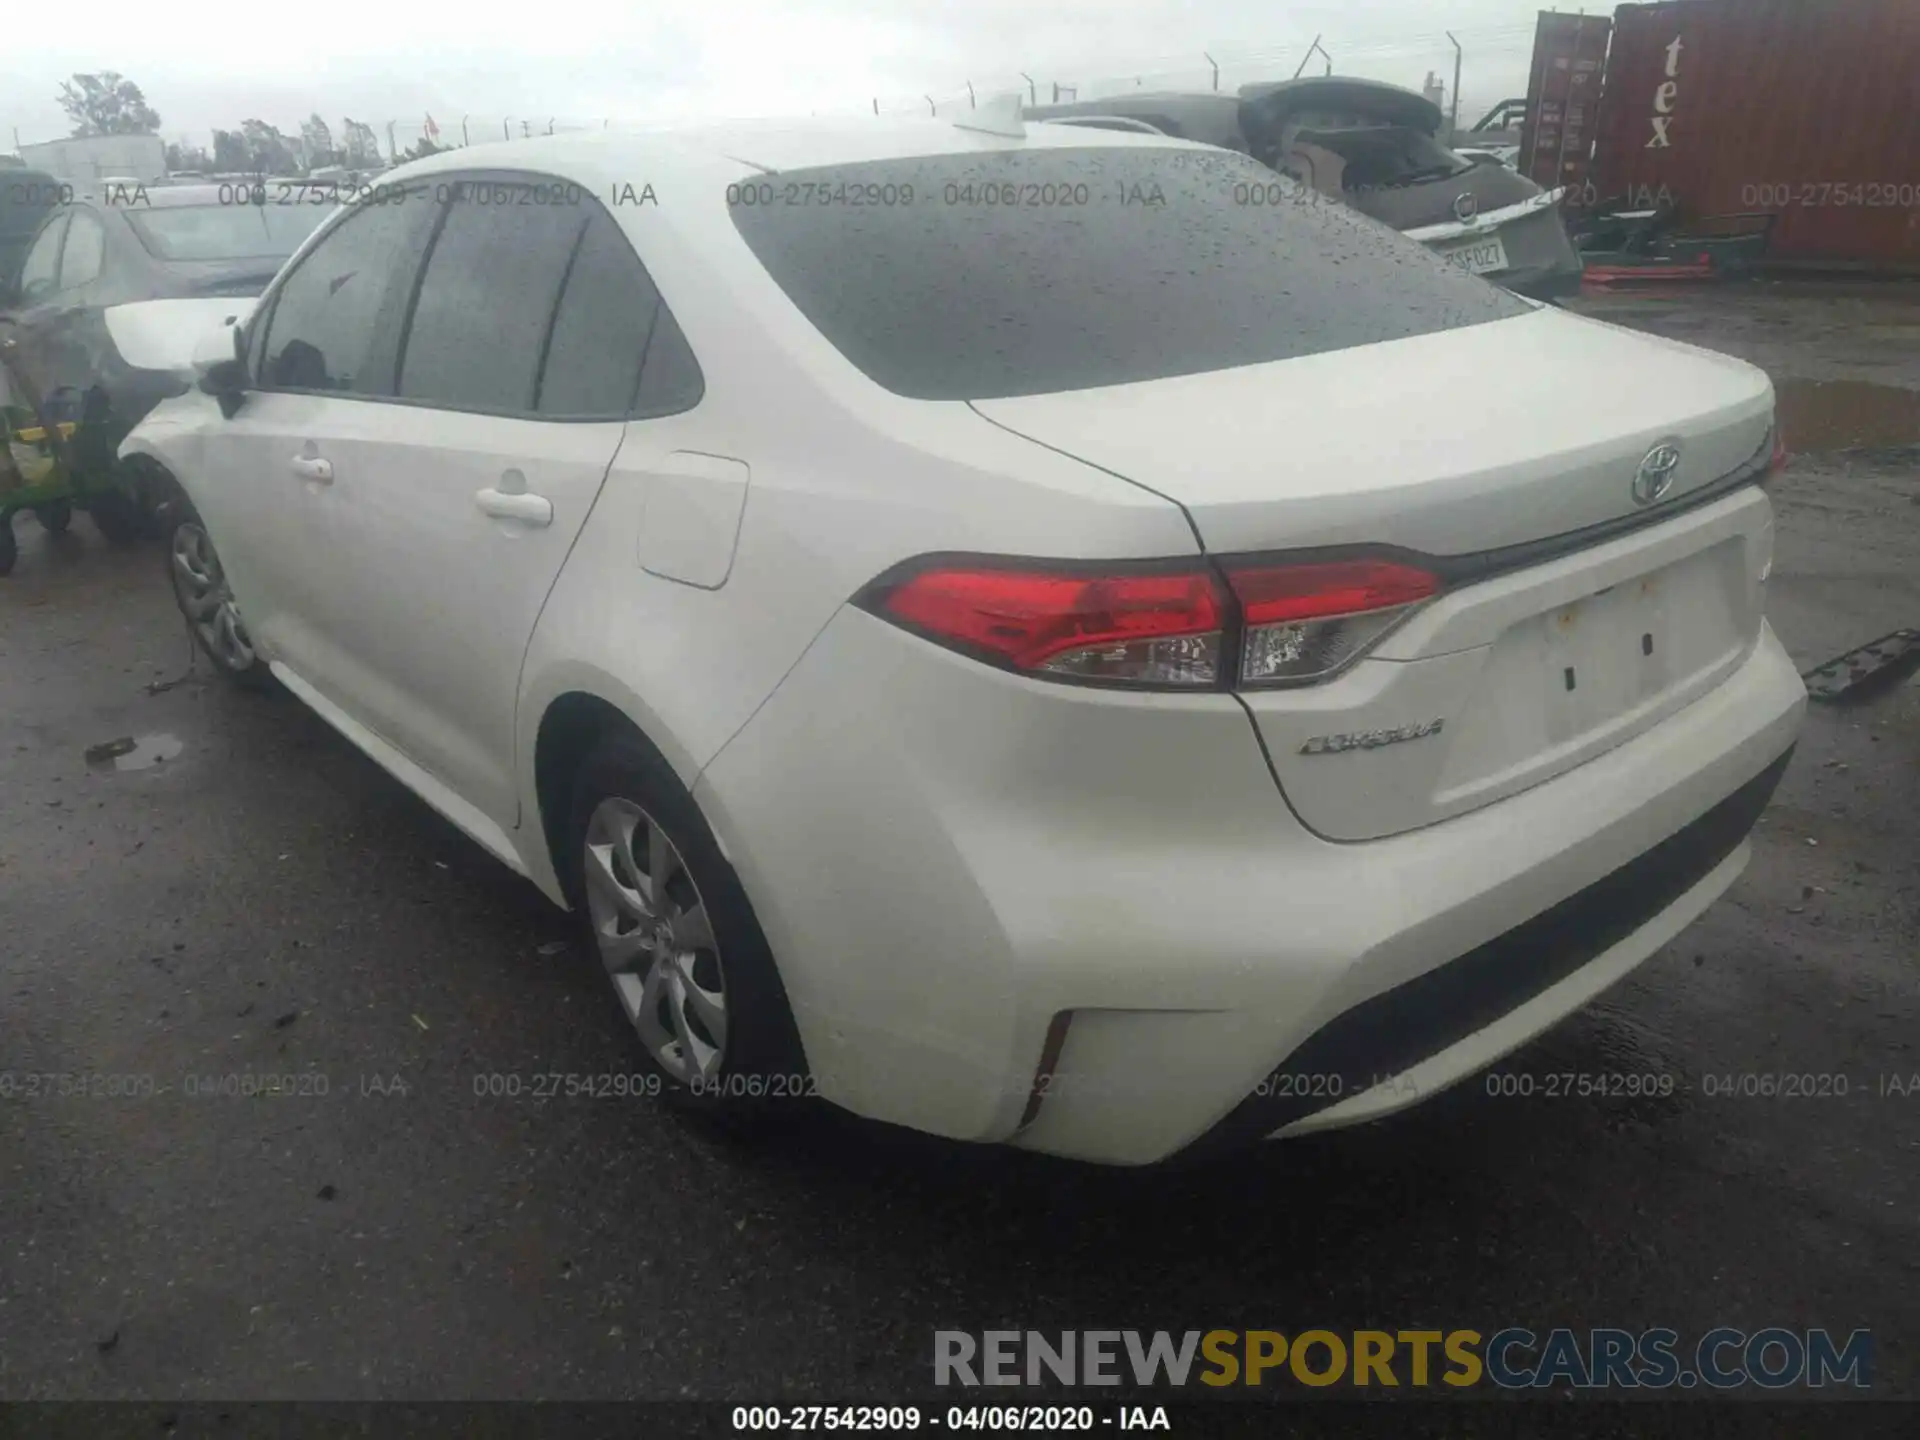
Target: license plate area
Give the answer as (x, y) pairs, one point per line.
(1482, 255)
(1607, 652)
(1564, 684)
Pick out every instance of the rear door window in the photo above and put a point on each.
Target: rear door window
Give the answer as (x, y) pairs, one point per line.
(978, 276)
(611, 319)
(485, 312)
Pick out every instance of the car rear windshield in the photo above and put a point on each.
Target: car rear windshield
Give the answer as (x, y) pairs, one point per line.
(970, 277)
(224, 232)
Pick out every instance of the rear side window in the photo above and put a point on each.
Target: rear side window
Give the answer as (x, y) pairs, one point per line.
(671, 382)
(336, 321)
(41, 266)
(85, 250)
(481, 322)
(977, 276)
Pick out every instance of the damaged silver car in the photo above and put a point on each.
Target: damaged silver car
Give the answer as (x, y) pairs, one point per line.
(1376, 147)
(114, 273)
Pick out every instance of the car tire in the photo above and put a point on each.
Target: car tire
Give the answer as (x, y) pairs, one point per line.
(9, 547)
(117, 516)
(690, 971)
(55, 516)
(206, 602)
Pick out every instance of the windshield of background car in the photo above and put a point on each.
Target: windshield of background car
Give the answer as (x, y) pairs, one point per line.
(224, 232)
(979, 276)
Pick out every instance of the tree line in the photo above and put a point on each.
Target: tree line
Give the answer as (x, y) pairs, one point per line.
(107, 103)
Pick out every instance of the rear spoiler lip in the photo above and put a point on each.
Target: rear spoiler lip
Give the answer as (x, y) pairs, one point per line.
(1455, 571)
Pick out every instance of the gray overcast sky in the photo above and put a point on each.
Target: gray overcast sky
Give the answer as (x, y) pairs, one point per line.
(661, 61)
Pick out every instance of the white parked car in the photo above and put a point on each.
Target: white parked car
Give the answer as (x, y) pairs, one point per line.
(986, 629)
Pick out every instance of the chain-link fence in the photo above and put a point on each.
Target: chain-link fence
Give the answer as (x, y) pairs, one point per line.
(1494, 59)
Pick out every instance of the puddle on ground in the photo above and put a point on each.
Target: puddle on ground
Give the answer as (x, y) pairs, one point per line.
(133, 752)
(1847, 414)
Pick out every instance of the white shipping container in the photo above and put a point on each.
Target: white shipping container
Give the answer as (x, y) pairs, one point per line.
(93, 158)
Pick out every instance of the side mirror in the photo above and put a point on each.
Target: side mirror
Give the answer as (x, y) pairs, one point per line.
(219, 362)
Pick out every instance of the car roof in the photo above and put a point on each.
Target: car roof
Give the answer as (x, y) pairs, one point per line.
(743, 147)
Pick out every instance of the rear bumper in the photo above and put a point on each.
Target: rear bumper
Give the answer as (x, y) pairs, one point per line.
(1086, 922)
(1556, 281)
(1428, 1026)
(1543, 263)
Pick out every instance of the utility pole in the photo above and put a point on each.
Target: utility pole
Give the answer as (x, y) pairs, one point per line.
(1453, 121)
(1033, 95)
(1216, 68)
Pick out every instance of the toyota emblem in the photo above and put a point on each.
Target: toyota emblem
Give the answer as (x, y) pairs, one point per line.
(1655, 476)
(1465, 207)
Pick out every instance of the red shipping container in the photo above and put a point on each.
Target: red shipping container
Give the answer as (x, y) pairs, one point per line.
(1808, 110)
(1563, 101)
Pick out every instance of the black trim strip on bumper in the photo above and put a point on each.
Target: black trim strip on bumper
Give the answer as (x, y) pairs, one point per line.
(1393, 1031)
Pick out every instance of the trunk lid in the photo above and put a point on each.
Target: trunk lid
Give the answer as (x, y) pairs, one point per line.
(1530, 666)
(1386, 444)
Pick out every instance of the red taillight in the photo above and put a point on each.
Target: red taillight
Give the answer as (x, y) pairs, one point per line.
(1159, 627)
(1142, 628)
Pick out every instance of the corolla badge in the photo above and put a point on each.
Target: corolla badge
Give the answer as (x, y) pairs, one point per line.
(1466, 205)
(1369, 739)
(1655, 476)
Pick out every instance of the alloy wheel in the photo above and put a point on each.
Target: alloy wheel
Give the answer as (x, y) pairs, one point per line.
(207, 599)
(656, 940)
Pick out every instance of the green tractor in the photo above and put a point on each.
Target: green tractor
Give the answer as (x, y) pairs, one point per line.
(44, 468)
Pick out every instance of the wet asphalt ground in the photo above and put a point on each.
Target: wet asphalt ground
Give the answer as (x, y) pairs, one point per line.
(267, 902)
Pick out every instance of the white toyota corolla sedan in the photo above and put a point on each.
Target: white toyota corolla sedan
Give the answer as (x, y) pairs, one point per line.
(984, 627)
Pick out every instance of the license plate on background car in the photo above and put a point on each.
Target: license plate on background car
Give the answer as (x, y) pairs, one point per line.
(1481, 256)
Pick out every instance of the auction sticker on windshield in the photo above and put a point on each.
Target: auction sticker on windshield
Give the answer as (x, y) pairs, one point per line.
(1480, 256)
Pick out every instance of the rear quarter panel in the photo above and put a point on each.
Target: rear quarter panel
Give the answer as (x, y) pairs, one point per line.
(846, 480)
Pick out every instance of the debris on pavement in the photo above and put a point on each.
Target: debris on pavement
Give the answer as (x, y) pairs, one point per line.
(1866, 671)
(108, 751)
